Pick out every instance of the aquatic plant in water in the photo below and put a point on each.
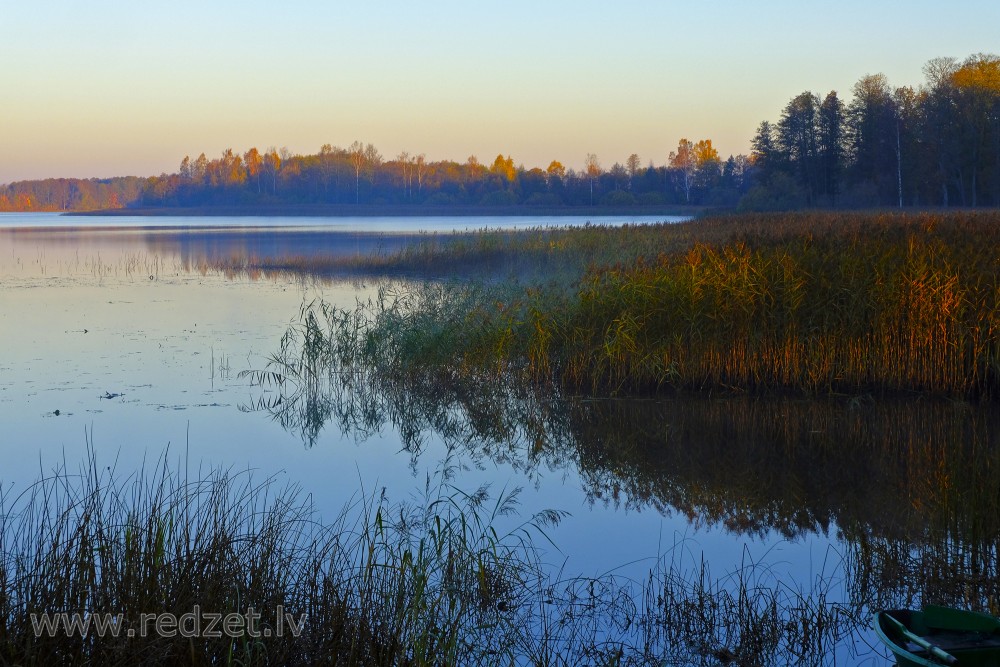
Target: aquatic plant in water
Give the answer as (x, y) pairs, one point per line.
(450, 577)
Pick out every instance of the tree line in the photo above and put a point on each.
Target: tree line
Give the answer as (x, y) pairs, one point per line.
(360, 175)
(71, 194)
(935, 145)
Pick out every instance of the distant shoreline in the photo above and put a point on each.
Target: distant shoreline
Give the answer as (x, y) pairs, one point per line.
(343, 211)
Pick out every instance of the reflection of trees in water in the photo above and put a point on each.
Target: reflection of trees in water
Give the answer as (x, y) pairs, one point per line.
(266, 248)
(912, 486)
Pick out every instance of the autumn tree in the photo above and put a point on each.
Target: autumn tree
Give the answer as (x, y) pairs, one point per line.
(327, 165)
(474, 169)
(373, 160)
(271, 164)
(555, 178)
(708, 165)
(504, 167)
(291, 169)
(356, 151)
(977, 92)
(254, 162)
(403, 160)
(200, 170)
(686, 164)
(231, 168)
(632, 164)
(420, 164)
(592, 168)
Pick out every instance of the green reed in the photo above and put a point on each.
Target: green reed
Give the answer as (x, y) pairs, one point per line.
(429, 582)
(817, 303)
(452, 577)
(750, 465)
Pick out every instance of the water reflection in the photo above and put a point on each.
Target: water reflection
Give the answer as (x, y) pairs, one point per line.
(306, 388)
(906, 489)
(81, 249)
(751, 464)
(911, 486)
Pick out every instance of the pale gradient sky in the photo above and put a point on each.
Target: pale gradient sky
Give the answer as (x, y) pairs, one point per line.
(103, 88)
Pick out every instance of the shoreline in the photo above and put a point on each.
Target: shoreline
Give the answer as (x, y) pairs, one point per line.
(365, 210)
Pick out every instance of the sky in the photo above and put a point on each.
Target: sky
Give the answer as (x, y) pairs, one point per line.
(102, 88)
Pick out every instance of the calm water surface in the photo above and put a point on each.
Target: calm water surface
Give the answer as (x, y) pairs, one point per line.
(138, 345)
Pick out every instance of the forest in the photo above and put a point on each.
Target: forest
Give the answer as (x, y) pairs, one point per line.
(934, 145)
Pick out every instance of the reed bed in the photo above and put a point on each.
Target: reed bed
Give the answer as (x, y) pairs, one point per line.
(422, 583)
(752, 465)
(814, 303)
(899, 305)
(436, 580)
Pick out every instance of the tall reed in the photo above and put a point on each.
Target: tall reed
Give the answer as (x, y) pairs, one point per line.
(420, 583)
(748, 464)
(451, 578)
(816, 303)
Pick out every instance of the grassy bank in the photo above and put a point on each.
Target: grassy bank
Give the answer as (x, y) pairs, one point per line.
(816, 303)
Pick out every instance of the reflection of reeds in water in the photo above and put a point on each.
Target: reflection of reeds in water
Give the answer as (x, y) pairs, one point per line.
(913, 486)
(898, 467)
(429, 582)
(752, 464)
(747, 614)
(900, 479)
(942, 568)
(333, 366)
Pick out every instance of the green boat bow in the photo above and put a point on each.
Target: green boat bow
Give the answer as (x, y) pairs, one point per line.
(940, 636)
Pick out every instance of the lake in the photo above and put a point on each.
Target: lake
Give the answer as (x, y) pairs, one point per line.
(122, 337)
